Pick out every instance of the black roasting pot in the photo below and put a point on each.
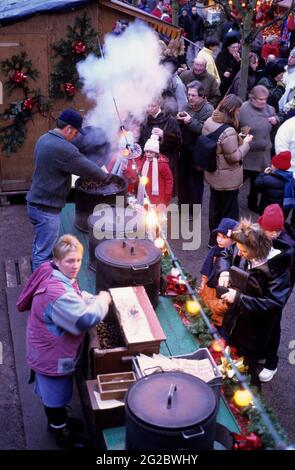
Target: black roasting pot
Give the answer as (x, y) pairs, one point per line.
(170, 411)
(90, 194)
(113, 222)
(123, 263)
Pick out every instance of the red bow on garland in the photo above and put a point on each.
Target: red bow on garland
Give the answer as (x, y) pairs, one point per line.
(250, 442)
(175, 286)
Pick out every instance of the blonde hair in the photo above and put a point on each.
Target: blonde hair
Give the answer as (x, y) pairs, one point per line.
(175, 48)
(253, 238)
(64, 245)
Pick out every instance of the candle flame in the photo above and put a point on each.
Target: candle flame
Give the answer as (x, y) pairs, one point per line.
(151, 218)
(159, 243)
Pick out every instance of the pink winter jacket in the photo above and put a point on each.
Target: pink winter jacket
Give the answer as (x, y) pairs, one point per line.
(58, 319)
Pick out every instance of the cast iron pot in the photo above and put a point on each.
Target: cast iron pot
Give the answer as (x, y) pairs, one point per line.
(170, 411)
(114, 222)
(86, 200)
(123, 263)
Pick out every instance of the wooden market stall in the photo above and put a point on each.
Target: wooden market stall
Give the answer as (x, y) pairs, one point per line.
(34, 28)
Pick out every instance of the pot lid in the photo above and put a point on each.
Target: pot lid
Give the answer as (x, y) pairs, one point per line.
(171, 400)
(128, 252)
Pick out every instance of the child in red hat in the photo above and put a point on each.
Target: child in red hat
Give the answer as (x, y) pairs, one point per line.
(276, 184)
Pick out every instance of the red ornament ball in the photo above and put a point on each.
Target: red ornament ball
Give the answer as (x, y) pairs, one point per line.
(28, 104)
(69, 89)
(18, 77)
(79, 48)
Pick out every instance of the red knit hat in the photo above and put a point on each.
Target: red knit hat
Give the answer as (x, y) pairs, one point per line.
(282, 161)
(272, 218)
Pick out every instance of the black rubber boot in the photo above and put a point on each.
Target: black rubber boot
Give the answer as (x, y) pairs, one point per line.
(69, 440)
(59, 416)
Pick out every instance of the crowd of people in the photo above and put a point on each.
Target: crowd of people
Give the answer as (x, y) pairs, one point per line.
(256, 142)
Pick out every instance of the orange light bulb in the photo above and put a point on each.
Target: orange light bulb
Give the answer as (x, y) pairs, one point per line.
(218, 345)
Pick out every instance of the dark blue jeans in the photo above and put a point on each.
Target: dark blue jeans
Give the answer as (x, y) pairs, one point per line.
(46, 233)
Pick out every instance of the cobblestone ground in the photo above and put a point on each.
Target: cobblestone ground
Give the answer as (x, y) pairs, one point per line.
(15, 240)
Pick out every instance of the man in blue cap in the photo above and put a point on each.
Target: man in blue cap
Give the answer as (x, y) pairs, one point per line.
(56, 159)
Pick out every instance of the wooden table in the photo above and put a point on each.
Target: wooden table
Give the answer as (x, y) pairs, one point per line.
(179, 340)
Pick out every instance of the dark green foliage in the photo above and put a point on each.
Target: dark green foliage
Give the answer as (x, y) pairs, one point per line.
(64, 70)
(18, 63)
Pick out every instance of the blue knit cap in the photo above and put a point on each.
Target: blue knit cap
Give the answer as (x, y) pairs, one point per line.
(73, 118)
(225, 225)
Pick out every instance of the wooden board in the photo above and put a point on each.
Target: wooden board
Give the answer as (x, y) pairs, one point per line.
(17, 271)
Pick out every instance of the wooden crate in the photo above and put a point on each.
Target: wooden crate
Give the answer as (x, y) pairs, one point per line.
(104, 418)
(115, 386)
(105, 361)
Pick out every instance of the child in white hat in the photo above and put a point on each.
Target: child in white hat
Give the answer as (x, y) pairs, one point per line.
(155, 167)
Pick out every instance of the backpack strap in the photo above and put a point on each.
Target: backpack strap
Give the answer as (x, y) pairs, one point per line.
(216, 134)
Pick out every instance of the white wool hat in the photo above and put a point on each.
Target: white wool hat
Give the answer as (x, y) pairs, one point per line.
(152, 144)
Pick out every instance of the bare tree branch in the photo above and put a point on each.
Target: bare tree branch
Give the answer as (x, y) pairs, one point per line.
(239, 7)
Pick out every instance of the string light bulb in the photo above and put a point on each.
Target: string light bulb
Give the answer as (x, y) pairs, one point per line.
(159, 243)
(126, 152)
(193, 307)
(242, 398)
(218, 345)
(144, 180)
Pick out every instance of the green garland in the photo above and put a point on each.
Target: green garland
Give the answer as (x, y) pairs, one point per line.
(13, 130)
(80, 41)
(18, 69)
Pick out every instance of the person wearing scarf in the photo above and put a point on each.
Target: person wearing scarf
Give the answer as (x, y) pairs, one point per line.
(155, 167)
(276, 184)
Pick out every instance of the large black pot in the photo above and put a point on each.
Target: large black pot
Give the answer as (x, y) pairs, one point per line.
(87, 200)
(170, 411)
(123, 263)
(114, 222)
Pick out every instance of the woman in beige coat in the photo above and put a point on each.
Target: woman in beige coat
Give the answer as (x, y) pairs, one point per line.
(226, 180)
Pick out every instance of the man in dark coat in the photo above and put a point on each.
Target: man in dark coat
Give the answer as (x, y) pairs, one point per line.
(195, 35)
(209, 83)
(228, 62)
(56, 159)
(192, 118)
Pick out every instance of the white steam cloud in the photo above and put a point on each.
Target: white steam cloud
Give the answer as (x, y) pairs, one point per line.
(130, 73)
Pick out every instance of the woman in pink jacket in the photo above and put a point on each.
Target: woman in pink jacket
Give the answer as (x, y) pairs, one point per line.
(60, 314)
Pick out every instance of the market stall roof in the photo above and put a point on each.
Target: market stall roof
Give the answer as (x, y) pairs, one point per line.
(160, 26)
(15, 10)
(12, 11)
